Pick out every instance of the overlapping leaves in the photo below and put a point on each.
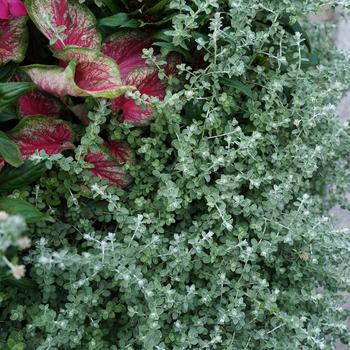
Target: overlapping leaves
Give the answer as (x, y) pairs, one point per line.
(87, 73)
(83, 71)
(70, 28)
(106, 162)
(126, 48)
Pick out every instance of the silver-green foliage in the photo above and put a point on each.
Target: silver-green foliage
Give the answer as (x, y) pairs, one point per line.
(223, 239)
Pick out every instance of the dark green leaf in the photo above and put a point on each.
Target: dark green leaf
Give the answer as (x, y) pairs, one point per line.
(160, 22)
(238, 85)
(9, 151)
(24, 282)
(166, 48)
(193, 110)
(20, 207)
(7, 71)
(294, 27)
(15, 178)
(230, 38)
(111, 5)
(119, 20)
(157, 8)
(9, 92)
(313, 59)
(8, 114)
(199, 35)
(160, 35)
(308, 60)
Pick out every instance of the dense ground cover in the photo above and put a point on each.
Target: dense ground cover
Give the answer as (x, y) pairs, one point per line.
(166, 172)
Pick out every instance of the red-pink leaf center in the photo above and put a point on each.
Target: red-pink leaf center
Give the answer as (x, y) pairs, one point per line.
(36, 103)
(105, 168)
(36, 134)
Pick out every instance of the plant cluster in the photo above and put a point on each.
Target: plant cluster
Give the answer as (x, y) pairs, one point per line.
(167, 171)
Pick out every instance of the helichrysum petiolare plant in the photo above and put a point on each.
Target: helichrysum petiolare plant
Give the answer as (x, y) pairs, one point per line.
(175, 162)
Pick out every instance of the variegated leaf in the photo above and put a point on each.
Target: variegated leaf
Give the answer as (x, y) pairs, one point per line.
(65, 23)
(88, 73)
(106, 167)
(35, 134)
(147, 82)
(54, 80)
(125, 47)
(96, 74)
(13, 39)
(36, 103)
(120, 150)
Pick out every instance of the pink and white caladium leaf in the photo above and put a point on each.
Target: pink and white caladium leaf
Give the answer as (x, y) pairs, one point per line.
(125, 47)
(36, 103)
(147, 82)
(54, 80)
(65, 23)
(35, 134)
(13, 39)
(2, 164)
(95, 73)
(106, 166)
(87, 73)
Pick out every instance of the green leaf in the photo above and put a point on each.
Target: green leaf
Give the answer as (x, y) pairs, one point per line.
(111, 5)
(119, 20)
(166, 48)
(313, 59)
(294, 28)
(193, 109)
(238, 85)
(7, 71)
(161, 35)
(199, 35)
(20, 207)
(308, 60)
(7, 278)
(16, 178)
(162, 21)
(229, 37)
(9, 92)
(157, 8)
(10, 151)
(8, 114)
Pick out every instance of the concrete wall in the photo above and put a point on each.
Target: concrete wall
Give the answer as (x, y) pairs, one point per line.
(342, 41)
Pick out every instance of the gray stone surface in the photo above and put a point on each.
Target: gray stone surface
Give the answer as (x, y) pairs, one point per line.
(342, 41)
(343, 33)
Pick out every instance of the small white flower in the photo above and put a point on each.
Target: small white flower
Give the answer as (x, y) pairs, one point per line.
(3, 215)
(18, 271)
(24, 243)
